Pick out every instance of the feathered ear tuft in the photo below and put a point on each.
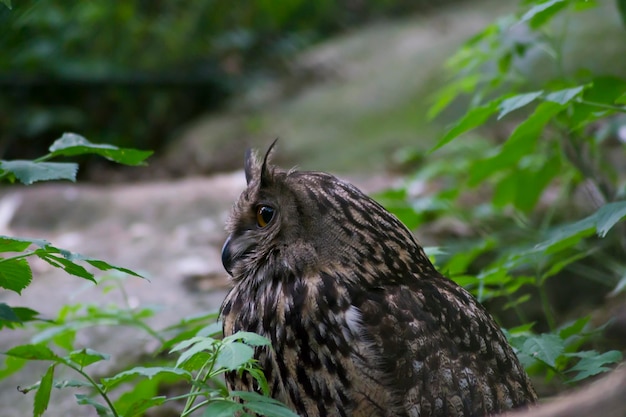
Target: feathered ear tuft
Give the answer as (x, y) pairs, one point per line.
(251, 165)
(254, 170)
(265, 172)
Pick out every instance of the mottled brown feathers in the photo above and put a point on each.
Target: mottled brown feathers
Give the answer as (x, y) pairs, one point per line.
(360, 321)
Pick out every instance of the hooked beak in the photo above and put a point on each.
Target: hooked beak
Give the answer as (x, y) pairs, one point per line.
(227, 257)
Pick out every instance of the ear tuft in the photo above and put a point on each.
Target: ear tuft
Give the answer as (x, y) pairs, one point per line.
(265, 174)
(251, 165)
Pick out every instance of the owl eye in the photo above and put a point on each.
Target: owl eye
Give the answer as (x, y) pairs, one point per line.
(264, 215)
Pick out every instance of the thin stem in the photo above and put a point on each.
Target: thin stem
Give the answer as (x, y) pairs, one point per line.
(96, 386)
(20, 256)
(545, 305)
(621, 109)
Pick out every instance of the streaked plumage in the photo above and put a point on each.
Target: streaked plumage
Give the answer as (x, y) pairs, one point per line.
(361, 323)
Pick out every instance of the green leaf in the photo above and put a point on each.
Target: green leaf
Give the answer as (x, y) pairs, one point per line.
(541, 13)
(545, 348)
(150, 372)
(86, 357)
(516, 102)
(249, 338)
(102, 410)
(232, 355)
(71, 144)
(12, 244)
(29, 172)
(104, 266)
(15, 274)
(67, 265)
(574, 328)
(594, 364)
(16, 316)
(556, 267)
(267, 406)
(208, 344)
(138, 408)
(602, 220)
(564, 96)
(521, 143)
(472, 119)
(42, 396)
(450, 91)
(621, 99)
(6, 3)
(11, 366)
(7, 314)
(222, 408)
(608, 215)
(33, 352)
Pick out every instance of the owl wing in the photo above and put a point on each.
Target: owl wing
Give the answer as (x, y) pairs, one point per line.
(429, 349)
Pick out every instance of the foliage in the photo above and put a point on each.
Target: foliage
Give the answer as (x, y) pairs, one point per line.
(132, 72)
(202, 358)
(564, 131)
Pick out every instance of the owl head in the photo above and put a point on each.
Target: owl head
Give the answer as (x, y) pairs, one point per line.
(296, 223)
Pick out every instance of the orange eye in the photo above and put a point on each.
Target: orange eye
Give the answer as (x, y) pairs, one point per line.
(264, 215)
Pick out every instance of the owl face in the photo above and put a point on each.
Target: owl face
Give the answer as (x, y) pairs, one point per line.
(287, 223)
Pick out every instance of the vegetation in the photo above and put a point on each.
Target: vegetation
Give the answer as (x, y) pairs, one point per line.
(559, 149)
(527, 229)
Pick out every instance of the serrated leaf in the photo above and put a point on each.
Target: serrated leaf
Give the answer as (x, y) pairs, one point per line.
(17, 316)
(249, 338)
(200, 346)
(222, 408)
(516, 102)
(11, 366)
(104, 266)
(522, 142)
(138, 408)
(142, 371)
(564, 96)
(212, 329)
(594, 364)
(102, 410)
(545, 348)
(42, 396)
(574, 328)
(7, 314)
(86, 357)
(33, 352)
(28, 172)
(69, 266)
(12, 244)
(540, 13)
(232, 355)
(15, 274)
(263, 405)
(71, 144)
(472, 119)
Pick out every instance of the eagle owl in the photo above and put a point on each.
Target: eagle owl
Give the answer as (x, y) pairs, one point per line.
(360, 321)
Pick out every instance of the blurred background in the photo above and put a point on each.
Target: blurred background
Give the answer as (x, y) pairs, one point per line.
(347, 86)
(197, 81)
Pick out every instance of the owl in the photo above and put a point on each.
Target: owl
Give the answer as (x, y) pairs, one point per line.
(361, 323)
